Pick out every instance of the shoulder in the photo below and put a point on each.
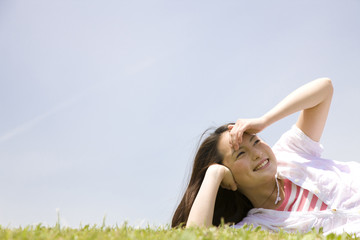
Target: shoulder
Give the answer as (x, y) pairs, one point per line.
(296, 141)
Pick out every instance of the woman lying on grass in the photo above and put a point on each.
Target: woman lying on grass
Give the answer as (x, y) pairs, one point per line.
(237, 177)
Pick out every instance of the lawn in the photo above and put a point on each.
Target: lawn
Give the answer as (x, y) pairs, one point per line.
(160, 233)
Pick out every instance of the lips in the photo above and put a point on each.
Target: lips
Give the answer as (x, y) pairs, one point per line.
(262, 164)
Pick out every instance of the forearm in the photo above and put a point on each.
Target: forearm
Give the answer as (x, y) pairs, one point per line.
(305, 97)
(202, 210)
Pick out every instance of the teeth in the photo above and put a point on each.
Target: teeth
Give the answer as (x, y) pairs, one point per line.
(261, 165)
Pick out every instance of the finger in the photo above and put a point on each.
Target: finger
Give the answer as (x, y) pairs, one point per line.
(231, 141)
(239, 136)
(242, 129)
(234, 138)
(237, 133)
(229, 187)
(231, 126)
(234, 187)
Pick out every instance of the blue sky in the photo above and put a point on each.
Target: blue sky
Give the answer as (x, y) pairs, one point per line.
(103, 102)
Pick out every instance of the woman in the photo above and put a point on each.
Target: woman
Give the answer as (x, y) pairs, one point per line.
(237, 178)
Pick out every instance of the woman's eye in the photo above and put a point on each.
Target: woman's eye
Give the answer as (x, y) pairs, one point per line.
(240, 154)
(256, 142)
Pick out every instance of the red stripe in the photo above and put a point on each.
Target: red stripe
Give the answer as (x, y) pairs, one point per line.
(303, 200)
(313, 203)
(323, 206)
(289, 188)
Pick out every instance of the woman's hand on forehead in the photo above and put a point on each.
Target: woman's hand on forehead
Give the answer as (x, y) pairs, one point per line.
(250, 126)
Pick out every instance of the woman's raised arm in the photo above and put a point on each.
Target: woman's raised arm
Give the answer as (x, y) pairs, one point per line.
(312, 99)
(312, 119)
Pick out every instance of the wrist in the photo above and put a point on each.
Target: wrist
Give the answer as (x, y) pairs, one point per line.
(216, 172)
(265, 120)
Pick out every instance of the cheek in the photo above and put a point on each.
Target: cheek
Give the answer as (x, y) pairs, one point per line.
(239, 169)
(242, 177)
(271, 154)
(267, 149)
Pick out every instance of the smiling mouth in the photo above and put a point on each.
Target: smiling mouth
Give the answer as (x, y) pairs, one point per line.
(261, 165)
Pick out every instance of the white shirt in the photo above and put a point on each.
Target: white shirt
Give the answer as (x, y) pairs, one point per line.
(336, 183)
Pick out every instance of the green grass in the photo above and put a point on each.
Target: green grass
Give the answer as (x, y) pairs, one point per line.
(40, 232)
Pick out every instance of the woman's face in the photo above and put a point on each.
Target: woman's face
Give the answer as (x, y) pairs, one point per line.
(252, 165)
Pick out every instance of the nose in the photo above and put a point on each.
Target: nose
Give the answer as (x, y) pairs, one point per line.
(257, 154)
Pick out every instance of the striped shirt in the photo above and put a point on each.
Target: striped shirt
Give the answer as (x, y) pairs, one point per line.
(300, 199)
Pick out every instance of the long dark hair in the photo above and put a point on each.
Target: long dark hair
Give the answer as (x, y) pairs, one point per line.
(230, 207)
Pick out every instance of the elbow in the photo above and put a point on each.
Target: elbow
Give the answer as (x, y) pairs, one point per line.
(327, 84)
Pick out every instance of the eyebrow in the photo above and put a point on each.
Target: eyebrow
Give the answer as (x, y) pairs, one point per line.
(251, 138)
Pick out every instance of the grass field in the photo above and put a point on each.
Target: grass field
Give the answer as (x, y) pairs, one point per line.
(162, 233)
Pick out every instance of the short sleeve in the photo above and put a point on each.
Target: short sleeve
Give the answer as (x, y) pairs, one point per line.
(295, 140)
